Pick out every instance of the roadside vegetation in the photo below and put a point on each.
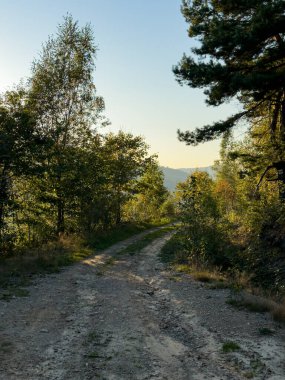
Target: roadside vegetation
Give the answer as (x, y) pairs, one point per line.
(67, 189)
(18, 271)
(233, 224)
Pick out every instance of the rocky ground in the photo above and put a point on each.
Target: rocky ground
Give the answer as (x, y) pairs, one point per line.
(120, 317)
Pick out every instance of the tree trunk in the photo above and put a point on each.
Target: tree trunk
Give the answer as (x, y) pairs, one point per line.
(282, 123)
(118, 213)
(118, 208)
(275, 115)
(4, 196)
(60, 216)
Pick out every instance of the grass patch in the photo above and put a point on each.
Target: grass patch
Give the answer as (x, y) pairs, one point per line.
(105, 239)
(12, 292)
(93, 336)
(202, 276)
(265, 331)
(173, 250)
(17, 271)
(175, 254)
(94, 355)
(251, 303)
(182, 268)
(230, 347)
(208, 277)
(257, 304)
(256, 367)
(214, 279)
(137, 246)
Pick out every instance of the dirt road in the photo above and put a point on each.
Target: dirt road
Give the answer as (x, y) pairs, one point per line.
(120, 317)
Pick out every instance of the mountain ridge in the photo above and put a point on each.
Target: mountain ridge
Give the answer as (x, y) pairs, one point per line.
(173, 176)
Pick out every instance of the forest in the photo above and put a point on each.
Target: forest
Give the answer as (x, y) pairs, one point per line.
(104, 272)
(61, 174)
(235, 221)
(62, 177)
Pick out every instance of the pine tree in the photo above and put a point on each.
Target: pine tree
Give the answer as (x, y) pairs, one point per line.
(241, 54)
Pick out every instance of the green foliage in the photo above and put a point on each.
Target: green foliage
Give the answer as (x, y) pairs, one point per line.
(58, 175)
(230, 347)
(126, 161)
(255, 224)
(63, 101)
(20, 147)
(151, 201)
(202, 230)
(13, 292)
(225, 224)
(174, 250)
(240, 53)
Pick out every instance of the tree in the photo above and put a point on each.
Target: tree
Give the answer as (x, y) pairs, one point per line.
(150, 195)
(20, 144)
(201, 233)
(63, 101)
(126, 157)
(241, 53)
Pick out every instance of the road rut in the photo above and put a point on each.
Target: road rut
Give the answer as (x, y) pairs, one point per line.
(121, 317)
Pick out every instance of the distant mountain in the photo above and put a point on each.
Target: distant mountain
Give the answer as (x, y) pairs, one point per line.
(208, 169)
(173, 176)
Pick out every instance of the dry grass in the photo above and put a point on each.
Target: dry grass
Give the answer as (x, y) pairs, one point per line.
(182, 268)
(259, 304)
(17, 271)
(252, 303)
(206, 276)
(239, 281)
(213, 278)
(244, 296)
(278, 313)
(199, 274)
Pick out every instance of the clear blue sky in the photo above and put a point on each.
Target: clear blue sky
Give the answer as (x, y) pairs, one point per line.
(139, 41)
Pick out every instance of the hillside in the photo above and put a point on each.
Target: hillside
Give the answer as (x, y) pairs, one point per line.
(173, 176)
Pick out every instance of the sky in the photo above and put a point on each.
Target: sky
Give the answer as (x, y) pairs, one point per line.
(139, 41)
